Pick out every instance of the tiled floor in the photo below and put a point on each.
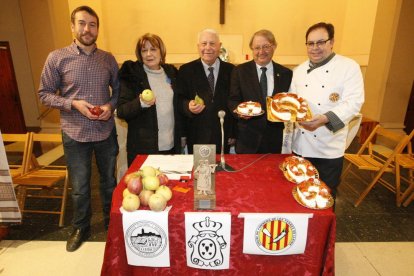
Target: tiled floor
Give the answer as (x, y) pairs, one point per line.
(50, 258)
(376, 238)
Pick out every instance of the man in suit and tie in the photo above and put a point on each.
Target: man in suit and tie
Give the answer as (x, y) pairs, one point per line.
(254, 81)
(208, 78)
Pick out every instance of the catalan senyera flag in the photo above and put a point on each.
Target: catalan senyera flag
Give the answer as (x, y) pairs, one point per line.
(275, 234)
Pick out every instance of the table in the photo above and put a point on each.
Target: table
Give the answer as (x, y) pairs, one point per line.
(259, 188)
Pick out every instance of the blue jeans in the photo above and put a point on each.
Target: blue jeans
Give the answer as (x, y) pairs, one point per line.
(79, 161)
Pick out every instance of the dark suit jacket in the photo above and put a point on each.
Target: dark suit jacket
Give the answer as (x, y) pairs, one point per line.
(256, 134)
(204, 128)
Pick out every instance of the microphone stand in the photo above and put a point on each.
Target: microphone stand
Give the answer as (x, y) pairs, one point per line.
(222, 162)
(222, 165)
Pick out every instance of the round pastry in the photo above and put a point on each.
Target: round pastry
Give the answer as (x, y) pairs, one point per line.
(288, 106)
(249, 108)
(298, 169)
(314, 193)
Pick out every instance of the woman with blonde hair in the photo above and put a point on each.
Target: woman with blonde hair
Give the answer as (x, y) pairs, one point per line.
(154, 126)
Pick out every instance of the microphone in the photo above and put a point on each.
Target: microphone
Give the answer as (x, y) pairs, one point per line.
(221, 115)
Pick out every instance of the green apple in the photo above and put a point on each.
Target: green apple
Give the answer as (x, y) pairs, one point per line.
(130, 202)
(125, 192)
(147, 95)
(198, 100)
(148, 171)
(151, 183)
(165, 192)
(157, 203)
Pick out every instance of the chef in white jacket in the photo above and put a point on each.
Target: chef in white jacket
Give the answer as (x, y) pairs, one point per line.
(334, 88)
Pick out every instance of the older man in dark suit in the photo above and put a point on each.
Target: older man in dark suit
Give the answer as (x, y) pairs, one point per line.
(254, 81)
(208, 78)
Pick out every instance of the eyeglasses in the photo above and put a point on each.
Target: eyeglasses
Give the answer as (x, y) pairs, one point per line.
(265, 48)
(318, 44)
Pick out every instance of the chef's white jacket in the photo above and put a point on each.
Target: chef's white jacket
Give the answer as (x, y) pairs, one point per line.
(337, 87)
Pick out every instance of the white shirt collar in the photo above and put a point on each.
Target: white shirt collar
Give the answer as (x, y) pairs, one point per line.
(216, 66)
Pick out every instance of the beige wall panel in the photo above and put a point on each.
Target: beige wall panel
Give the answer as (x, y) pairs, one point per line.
(179, 21)
(381, 52)
(401, 72)
(47, 27)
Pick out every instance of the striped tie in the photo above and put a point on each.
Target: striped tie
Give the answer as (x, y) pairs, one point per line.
(211, 79)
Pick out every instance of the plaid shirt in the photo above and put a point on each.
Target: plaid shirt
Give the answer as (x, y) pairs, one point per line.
(80, 76)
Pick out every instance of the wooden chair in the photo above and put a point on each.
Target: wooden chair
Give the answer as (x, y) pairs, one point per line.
(42, 180)
(377, 162)
(405, 161)
(16, 146)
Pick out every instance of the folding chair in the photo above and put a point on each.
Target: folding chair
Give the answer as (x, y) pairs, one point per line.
(405, 161)
(377, 162)
(42, 180)
(16, 146)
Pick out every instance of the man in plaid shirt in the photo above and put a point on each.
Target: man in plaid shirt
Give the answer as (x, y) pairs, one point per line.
(82, 74)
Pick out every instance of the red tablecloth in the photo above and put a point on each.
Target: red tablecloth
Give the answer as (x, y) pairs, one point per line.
(259, 188)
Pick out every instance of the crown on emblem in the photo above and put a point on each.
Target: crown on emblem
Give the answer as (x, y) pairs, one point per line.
(207, 226)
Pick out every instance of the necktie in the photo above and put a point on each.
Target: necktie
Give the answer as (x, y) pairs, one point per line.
(211, 79)
(263, 82)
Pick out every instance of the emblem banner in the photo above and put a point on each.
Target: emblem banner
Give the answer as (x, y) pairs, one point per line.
(207, 239)
(146, 237)
(275, 234)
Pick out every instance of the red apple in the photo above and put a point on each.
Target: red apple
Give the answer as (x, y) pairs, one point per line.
(132, 175)
(157, 203)
(130, 202)
(135, 185)
(163, 178)
(96, 110)
(144, 197)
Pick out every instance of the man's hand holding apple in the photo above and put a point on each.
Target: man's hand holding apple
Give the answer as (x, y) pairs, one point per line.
(195, 108)
(92, 112)
(84, 108)
(106, 112)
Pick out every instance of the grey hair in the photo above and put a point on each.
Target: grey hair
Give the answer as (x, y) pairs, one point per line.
(210, 31)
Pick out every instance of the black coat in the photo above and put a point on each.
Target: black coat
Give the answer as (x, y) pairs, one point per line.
(257, 133)
(142, 122)
(204, 128)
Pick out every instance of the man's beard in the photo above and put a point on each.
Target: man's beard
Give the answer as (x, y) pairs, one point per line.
(84, 42)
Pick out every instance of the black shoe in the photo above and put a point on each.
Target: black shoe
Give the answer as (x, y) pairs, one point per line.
(77, 237)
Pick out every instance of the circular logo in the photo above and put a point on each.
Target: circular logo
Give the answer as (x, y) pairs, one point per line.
(146, 239)
(204, 151)
(334, 97)
(275, 235)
